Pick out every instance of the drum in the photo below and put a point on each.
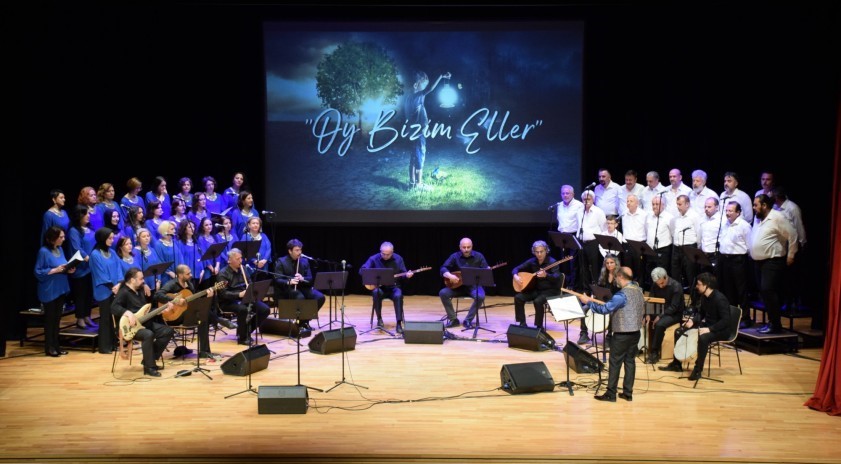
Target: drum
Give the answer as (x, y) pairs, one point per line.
(597, 323)
(686, 345)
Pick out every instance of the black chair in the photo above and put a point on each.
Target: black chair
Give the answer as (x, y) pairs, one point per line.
(730, 342)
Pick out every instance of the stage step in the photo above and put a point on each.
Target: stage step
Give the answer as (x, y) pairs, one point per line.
(755, 342)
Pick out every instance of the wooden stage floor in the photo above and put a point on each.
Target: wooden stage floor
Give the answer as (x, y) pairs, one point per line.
(423, 403)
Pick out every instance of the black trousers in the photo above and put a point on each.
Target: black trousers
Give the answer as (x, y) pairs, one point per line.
(771, 273)
(244, 326)
(392, 293)
(538, 299)
(154, 338)
(52, 319)
(660, 327)
(733, 269)
(82, 291)
(623, 352)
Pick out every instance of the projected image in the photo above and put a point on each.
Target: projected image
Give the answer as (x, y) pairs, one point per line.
(419, 126)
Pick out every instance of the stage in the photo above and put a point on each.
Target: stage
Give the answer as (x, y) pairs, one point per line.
(423, 403)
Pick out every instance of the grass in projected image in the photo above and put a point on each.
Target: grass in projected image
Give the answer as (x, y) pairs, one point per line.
(445, 187)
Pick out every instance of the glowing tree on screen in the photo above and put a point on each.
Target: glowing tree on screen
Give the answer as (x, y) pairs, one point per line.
(355, 74)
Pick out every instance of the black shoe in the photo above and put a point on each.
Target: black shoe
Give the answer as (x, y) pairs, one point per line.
(304, 332)
(696, 374)
(523, 324)
(652, 358)
(626, 396)
(246, 341)
(606, 397)
(151, 371)
(467, 324)
(583, 339)
(227, 323)
(53, 354)
(380, 323)
(181, 350)
(452, 323)
(399, 327)
(672, 367)
(770, 330)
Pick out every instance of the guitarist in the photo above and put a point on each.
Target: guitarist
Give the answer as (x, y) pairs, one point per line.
(155, 335)
(466, 257)
(184, 280)
(545, 283)
(386, 258)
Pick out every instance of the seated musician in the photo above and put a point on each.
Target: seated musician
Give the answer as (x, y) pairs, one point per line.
(544, 283)
(712, 321)
(466, 257)
(387, 258)
(670, 290)
(171, 291)
(293, 279)
(155, 335)
(230, 298)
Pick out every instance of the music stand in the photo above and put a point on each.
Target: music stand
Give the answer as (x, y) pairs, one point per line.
(213, 251)
(298, 309)
(609, 243)
(603, 294)
(566, 241)
(641, 248)
(197, 313)
(480, 277)
(695, 255)
(565, 309)
(156, 270)
(256, 291)
(378, 276)
(331, 281)
(249, 248)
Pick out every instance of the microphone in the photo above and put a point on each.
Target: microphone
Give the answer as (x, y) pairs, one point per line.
(344, 263)
(122, 206)
(727, 197)
(308, 257)
(267, 213)
(592, 184)
(553, 206)
(218, 227)
(249, 268)
(684, 230)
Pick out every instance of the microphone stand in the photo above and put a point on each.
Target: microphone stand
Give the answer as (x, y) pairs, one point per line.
(249, 315)
(342, 331)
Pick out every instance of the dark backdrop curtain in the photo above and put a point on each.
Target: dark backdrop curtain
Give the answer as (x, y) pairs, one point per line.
(827, 396)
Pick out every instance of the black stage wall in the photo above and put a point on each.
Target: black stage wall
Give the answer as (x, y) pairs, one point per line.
(107, 92)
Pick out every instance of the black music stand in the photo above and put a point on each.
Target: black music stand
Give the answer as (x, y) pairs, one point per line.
(602, 294)
(565, 309)
(249, 249)
(256, 291)
(567, 241)
(609, 243)
(198, 313)
(156, 270)
(330, 281)
(296, 310)
(480, 277)
(695, 255)
(213, 251)
(641, 248)
(378, 276)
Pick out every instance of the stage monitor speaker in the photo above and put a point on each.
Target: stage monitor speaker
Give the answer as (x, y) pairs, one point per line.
(529, 377)
(430, 333)
(282, 400)
(275, 326)
(581, 361)
(529, 338)
(251, 360)
(330, 341)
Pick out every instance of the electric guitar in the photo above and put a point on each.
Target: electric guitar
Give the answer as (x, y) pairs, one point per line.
(526, 277)
(128, 331)
(402, 274)
(459, 283)
(176, 310)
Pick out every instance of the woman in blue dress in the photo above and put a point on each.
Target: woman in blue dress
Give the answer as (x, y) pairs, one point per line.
(135, 221)
(185, 185)
(105, 200)
(245, 211)
(82, 241)
(199, 210)
(231, 193)
(165, 247)
(112, 221)
(225, 236)
(87, 197)
(264, 254)
(130, 258)
(215, 202)
(51, 272)
(105, 274)
(154, 219)
(132, 197)
(179, 211)
(159, 193)
(148, 257)
(205, 240)
(188, 251)
(55, 215)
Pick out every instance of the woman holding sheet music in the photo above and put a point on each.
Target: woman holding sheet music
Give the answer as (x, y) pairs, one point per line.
(51, 272)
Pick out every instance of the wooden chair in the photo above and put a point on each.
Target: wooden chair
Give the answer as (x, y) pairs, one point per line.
(125, 348)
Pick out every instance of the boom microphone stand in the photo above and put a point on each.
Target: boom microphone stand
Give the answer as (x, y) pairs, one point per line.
(250, 297)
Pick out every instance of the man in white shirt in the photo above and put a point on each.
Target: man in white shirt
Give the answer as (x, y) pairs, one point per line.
(686, 227)
(797, 275)
(710, 225)
(700, 192)
(658, 235)
(772, 245)
(607, 194)
(631, 187)
(569, 212)
(675, 189)
(592, 223)
(633, 228)
(733, 259)
(653, 188)
(767, 182)
(732, 193)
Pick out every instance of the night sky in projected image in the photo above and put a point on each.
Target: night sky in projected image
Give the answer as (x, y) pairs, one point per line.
(498, 153)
